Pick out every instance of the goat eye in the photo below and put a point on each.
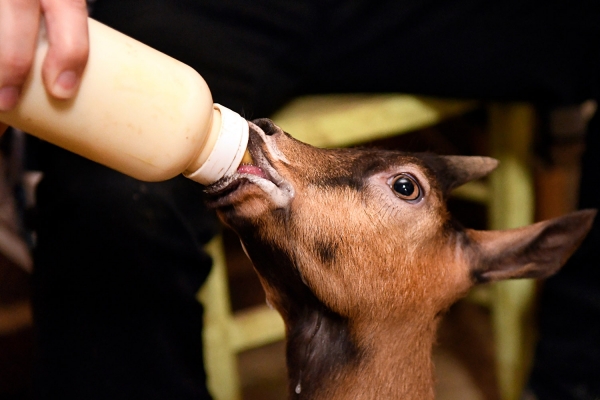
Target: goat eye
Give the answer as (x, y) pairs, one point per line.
(406, 187)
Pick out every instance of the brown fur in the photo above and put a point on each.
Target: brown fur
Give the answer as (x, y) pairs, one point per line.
(361, 275)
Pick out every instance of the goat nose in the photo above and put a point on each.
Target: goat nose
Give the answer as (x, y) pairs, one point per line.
(271, 131)
(268, 127)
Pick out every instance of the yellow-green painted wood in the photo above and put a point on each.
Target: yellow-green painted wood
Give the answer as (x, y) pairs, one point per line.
(219, 358)
(346, 120)
(256, 327)
(511, 205)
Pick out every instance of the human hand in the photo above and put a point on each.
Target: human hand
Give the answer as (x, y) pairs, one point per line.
(66, 27)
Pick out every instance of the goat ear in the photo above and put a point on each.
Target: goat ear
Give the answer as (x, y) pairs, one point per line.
(534, 251)
(458, 170)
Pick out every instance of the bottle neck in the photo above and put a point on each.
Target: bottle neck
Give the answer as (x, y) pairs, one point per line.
(223, 149)
(211, 135)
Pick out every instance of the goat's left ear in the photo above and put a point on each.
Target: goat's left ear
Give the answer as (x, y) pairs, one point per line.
(455, 171)
(534, 251)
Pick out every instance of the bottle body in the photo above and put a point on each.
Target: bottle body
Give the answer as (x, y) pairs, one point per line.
(137, 110)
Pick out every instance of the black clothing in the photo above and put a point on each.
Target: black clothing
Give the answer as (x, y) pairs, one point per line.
(119, 261)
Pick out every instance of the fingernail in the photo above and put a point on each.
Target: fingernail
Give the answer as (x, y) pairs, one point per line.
(9, 95)
(65, 84)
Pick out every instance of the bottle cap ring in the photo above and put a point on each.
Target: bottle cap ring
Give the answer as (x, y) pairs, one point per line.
(229, 149)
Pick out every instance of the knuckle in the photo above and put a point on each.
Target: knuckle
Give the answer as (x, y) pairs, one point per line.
(75, 52)
(19, 5)
(15, 64)
(69, 46)
(79, 5)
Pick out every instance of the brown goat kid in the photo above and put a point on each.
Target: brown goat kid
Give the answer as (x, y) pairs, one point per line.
(356, 250)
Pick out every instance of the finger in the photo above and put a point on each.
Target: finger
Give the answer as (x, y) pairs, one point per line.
(19, 24)
(66, 26)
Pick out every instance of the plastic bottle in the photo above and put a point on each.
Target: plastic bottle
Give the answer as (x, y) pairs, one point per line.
(137, 110)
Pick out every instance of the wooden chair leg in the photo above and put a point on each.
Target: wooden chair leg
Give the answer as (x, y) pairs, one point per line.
(219, 353)
(511, 205)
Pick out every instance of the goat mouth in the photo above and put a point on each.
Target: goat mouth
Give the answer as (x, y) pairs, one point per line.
(255, 170)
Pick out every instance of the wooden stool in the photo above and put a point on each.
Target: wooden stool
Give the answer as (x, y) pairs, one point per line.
(344, 120)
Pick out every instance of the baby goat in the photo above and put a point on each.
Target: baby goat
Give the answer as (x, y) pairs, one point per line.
(356, 250)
